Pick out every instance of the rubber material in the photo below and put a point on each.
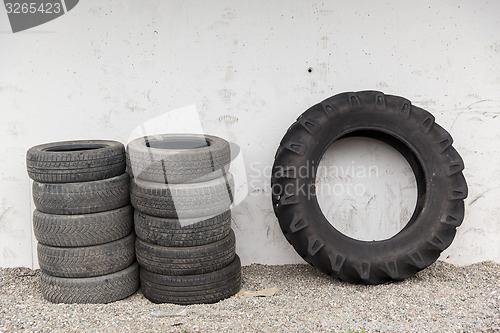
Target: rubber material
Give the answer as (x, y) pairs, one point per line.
(76, 161)
(183, 200)
(178, 158)
(428, 149)
(82, 198)
(82, 230)
(192, 289)
(89, 261)
(186, 260)
(186, 232)
(101, 289)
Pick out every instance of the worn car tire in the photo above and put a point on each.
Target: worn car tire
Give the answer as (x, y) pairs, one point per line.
(84, 229)
(88, 261)
(101, 289)
(186, 232)
(183, 200)
(178, 158)
(186, 260)
(82, 198)
(192, 289)
(76, 161)
(428, 149)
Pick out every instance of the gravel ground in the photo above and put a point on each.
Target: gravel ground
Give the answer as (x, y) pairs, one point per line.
(442, 298)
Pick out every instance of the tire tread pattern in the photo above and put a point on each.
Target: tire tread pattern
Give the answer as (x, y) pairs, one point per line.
(76, 166)
(183, 200)
(82, 198)
(186, 260)
(188, 232)
(82, 230)
(94, 290)
(299, 231)
(89, 261)
(193, 289)
(178, 166)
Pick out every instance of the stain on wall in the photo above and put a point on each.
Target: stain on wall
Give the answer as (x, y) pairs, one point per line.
(228, 119)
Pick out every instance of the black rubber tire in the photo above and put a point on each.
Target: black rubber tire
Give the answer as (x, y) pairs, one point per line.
(163, 159)
(192, 289)
(82, 198)
(428, 149)
(183, 200)
(186, 260)
(83, 230)
(187, 232)
(94, 290)
(88, 261)
(76, 161)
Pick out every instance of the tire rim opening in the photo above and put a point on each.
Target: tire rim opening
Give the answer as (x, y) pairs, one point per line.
(366, 189)
(178, 143)
(74, 147)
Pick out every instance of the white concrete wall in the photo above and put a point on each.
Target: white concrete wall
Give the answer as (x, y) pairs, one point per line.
(107, 66)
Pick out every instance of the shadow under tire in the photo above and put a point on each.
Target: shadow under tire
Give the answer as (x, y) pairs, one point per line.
(76, 161)
(93, 290)
(428, 149)
(192, 289)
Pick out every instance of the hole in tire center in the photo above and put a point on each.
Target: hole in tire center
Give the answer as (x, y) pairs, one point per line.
(178, 143)
(365, 188)
(73, 147)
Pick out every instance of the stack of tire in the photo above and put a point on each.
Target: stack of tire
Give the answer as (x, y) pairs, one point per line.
(182, 192)
(83, 221)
